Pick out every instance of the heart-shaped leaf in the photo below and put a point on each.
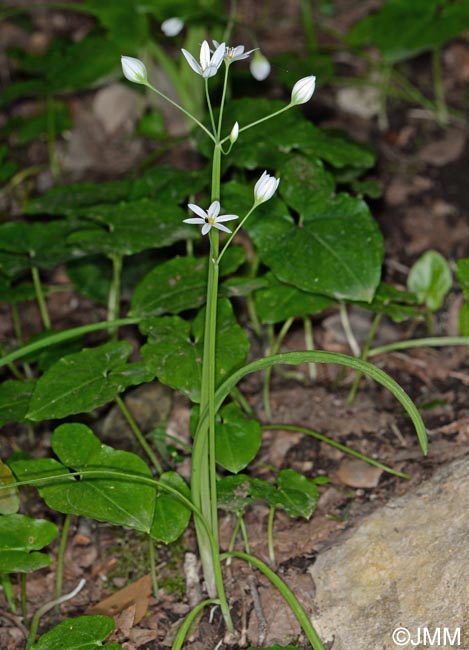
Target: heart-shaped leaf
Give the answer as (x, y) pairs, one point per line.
(171, 515)
(22, 533)
(83, 633)
(237, 438)
(430, 279)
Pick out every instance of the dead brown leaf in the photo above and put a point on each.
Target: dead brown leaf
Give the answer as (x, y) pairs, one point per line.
(136, 594)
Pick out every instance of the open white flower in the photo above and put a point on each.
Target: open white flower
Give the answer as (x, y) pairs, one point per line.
(234, 53)
(265, 188)
(134, 70)
(210, 217)
(303, 90)
(172, 26)
(209, 64)
(259, 66)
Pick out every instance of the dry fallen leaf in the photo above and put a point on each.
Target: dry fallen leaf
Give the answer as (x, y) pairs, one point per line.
(137, 593)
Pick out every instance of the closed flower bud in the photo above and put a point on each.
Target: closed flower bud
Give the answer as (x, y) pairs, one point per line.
(234, 133)
(134, 70)
(259, 66)
(303, 90)
(172, 26)
(265, 188)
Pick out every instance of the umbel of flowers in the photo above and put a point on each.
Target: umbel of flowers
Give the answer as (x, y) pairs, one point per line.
(212, 222)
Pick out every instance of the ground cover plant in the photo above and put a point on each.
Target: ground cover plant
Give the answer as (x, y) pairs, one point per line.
(269, 230)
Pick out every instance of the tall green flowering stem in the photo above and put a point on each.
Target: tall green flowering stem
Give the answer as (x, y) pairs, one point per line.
(40, 298)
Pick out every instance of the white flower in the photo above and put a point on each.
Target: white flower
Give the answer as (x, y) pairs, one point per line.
(208, 64)
(134, 70)
(303, 90)
(172, 26)
(259, 66)
(235, 53)
(265, 188)
(234, 133)
(210, 218)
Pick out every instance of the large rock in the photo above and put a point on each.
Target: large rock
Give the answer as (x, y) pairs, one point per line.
(405, 566)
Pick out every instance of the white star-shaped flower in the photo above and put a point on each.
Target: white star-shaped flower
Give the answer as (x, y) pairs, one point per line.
(209, 63)
(210, 218)
(234, 53)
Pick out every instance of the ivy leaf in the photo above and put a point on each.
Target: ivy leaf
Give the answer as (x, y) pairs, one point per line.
(80, 382)
(82, 633)
(174, 349)
(238, 438)
(171, 516)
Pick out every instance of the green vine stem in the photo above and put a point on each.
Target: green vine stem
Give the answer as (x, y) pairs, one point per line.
(138, 433)
(364, 356)
(40, 298)
(274, 348)
(183, 631)
(152, 562)
(336, 445)
(300, 614)
(59, 572)
(65, 335)
(270, 534)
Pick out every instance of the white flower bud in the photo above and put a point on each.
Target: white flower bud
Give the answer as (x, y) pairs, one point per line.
(172, 26)
(303, 90)
(265, 188)
(259, 66)
(234, 133)
(134, 70)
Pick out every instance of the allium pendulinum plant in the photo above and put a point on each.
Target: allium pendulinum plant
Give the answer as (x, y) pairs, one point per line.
(212, 222)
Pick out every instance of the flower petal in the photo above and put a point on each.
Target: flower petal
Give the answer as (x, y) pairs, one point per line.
(214, 210)
(198, 210)
(206, 228)
(220, 227)
(191, 61)
(204, 56)
(194, 220)
(218, 55)
(227, 217)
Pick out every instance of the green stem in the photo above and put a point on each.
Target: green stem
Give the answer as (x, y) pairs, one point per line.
(138, 433)
(40, 298)
(235, 231)
(386, 73)
(349, 335)
(183, 110)
(270, 534)
(364, 356)
(151, 559)
(300, 614)
(209, 105)
(273, 350)
(65, 335)
(244, 533)
(429, 321)
(262, 119)
(113, 303)
(430, 342)
(307, 21)
(5, 581)
(59, 575)
(439, 88)
(183, 631)
(234, 534)
(24, 598)
(336, 445)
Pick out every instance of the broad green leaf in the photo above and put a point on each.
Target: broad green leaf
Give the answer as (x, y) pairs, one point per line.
(121, 501)
(128, 26)
(91, 276)
(179, 284)
(278, 301)
(171, 516)
(234, 493)
(130, 227)
(462, 273)
(305, 183)
(237, 438)
(23, 245)
(174, 349)
(15, 396)
(165, 184)
(267, 145)
(395, 303)
(336, 250)
(430, 279)
(22, 562)
(80, 382)
(17, 293)
(24, 130)
(9, 497)
(297, 494)
(21, 533)
(83, 633)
